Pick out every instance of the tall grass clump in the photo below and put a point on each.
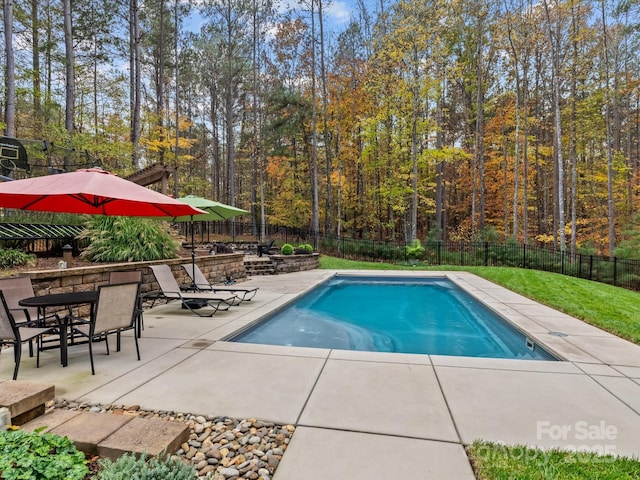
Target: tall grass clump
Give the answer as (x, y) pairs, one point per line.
(128, 239)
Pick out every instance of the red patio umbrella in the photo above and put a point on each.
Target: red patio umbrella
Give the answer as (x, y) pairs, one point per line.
(90, 191)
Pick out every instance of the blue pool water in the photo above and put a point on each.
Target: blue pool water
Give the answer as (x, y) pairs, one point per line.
(393, 314)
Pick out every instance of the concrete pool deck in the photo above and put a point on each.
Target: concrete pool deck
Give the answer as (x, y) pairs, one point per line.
(362, 413)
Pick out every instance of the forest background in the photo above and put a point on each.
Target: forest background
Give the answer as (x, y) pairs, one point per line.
(453, 120)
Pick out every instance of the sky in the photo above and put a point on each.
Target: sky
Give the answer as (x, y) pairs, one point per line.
(337, 14)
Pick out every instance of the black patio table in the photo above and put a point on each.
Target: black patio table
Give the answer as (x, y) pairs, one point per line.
(42, 302)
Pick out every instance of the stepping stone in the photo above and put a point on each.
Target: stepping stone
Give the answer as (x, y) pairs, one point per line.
(149, 436)
(88, 429)
(25, 400)
(50, 420)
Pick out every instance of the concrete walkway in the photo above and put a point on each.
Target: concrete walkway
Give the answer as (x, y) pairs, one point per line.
(362, 413)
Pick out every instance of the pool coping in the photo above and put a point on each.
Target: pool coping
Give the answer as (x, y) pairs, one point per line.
(510, 306)
(482, 299)
(349, 405)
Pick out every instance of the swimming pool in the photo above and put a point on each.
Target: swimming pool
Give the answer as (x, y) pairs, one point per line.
(394, 314)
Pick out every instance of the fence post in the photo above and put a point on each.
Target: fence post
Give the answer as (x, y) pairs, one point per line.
(524, 255)
(579, 265)
(439, 252)
(562, 257)
(486, 254)
(615, 271)
(461, 253)
(590, 267)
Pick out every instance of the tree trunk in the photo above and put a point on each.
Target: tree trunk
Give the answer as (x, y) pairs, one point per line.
(327, 146)
(315, 217)
(70, 68)
(440, 165)
(607, 118)
(10, 85)
(35, 55)
(135, 65)
(554, 38)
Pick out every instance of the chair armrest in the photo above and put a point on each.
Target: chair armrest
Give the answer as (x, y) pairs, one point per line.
(26, 315)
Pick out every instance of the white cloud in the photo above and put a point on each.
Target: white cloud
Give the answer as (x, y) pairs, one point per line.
(339, 12)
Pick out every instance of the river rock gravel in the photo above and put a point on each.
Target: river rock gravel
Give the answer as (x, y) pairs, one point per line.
(220, 448)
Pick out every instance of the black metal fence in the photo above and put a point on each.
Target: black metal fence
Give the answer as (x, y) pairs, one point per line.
(42, 239)
(614, 271)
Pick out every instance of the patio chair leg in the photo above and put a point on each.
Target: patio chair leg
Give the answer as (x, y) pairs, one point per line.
(93, 371)
(137, 347)
(38, 345)
(17, 348)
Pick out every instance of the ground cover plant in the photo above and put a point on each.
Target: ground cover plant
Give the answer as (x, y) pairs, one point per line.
(38, 456)
(613, 309)
(132, 467)
(492, 461)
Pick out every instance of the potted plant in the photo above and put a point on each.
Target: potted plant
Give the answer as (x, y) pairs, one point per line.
(415, 252)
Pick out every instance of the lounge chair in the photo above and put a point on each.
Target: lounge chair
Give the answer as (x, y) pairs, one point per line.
(265, 248)
(200, 283)
(170, 290)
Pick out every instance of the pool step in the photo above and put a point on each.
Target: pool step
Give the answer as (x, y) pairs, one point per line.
(259, 265)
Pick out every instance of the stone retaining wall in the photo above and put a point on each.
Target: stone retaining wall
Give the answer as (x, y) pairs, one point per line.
(295, 263)
(81, 279)
(215, 267)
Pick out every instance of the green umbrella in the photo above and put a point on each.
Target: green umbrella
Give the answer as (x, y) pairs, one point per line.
(215, 211)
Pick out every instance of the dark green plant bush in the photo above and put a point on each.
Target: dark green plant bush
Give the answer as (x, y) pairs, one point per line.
(13, 258)
(128, 239)
(286, 249)
(131, 467)
(304, 248)
(38, 456)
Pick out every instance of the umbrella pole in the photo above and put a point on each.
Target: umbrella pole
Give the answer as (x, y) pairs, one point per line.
(193, 258)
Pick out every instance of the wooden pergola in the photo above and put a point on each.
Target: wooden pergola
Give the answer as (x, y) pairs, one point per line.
(153, 174)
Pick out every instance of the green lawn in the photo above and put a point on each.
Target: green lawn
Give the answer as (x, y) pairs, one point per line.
(613, 309)
(492, 461)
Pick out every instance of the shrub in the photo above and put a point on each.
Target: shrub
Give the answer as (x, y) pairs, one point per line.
(12, 258)
(304, 248)
(129, 466)
(38, 456)
(286, 249)
(415, 250)
(128, 239)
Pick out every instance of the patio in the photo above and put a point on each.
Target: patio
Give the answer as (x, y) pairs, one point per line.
(349, 407)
